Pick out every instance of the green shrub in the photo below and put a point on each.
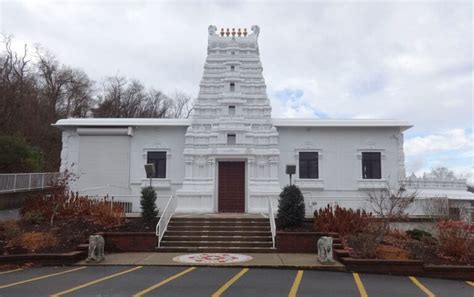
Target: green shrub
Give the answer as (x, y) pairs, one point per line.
(291, 207)
(147, 202)
(417, 234)
(18, 156)
(33, 217)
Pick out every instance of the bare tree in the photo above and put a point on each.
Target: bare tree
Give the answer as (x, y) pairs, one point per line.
(17, 86)
(158, 105)
(78, 95)
(123, 98)
(182, 105)
(441, 173)
(389, 204)
(110, 101)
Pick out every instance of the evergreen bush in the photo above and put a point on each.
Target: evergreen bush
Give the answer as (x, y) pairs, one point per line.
(417, 234)
(147, 202)
(291, 208)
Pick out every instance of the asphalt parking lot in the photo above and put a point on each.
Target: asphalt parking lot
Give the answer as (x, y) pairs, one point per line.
(217, 281)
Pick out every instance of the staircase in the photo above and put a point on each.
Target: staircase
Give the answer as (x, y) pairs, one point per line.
(217, 234)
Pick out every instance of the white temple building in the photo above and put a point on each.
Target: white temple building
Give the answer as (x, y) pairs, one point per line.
(230, 156)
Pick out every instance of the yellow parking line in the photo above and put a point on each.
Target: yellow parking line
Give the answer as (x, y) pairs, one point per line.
(95, 282)
(421, 286)
(147, 290)
(230, 282)
(40, 277)
(8, 271)
(296, 284)
(470, 283)
(360, 285)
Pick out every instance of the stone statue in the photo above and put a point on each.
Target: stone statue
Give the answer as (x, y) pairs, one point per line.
(325, 249)
(212, 30)
(255, 29)
(96, 248)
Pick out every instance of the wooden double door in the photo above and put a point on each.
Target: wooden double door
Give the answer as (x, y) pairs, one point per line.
(231, 186)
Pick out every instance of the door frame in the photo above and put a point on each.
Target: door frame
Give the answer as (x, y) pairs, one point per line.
(216, 182)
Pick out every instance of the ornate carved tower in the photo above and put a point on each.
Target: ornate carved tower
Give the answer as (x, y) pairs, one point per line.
(231, 123)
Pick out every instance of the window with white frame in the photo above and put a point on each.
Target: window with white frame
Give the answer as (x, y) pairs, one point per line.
(159, 160)
(308, 165)
(371, 165)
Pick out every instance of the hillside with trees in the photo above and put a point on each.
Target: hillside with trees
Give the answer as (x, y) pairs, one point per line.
(36, 90)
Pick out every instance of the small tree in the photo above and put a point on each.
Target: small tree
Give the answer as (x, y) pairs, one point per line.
(147, 202)
(389, 204)
(291, 208)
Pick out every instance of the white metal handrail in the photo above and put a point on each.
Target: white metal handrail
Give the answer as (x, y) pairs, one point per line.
(271, 216)
(21, 182)
(166, 215)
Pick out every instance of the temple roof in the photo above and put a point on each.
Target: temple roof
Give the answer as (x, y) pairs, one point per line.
(278, 122)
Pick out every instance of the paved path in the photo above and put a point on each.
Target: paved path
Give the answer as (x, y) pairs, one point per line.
(209, 281)
(284, 260)
(9, 214)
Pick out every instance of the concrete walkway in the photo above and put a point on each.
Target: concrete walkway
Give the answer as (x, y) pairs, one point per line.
(9, 214)
(269, 260)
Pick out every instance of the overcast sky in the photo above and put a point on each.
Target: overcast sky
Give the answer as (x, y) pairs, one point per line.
(402, 60)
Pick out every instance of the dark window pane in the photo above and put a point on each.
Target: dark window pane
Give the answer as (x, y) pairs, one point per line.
(159, 159)
(231, 139)
(308, 165)
(371, 166)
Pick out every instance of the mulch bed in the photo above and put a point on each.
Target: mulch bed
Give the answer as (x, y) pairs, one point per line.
(393, 248)
(70, 234)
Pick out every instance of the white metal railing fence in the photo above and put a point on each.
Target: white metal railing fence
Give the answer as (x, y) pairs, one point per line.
(21, 182)
(165, 217)
(271, 216)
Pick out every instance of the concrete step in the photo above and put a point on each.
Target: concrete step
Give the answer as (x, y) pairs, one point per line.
(216, 233)
(216, 238)
(214, 223)
(182, 219)
(82, 247)
(217, 228)
(220, 249)
(341, 253)
(228, 244)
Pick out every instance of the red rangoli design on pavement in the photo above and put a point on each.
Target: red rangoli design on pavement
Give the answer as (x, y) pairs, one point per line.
(212, 258)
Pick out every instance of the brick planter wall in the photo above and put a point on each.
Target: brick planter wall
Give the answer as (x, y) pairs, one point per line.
(45, 259)
(130, 241)
(401, 267)
(450, 271)
(298, 242)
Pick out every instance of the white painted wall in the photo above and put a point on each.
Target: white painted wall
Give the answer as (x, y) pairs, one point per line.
(111, 163)
(340, 164)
